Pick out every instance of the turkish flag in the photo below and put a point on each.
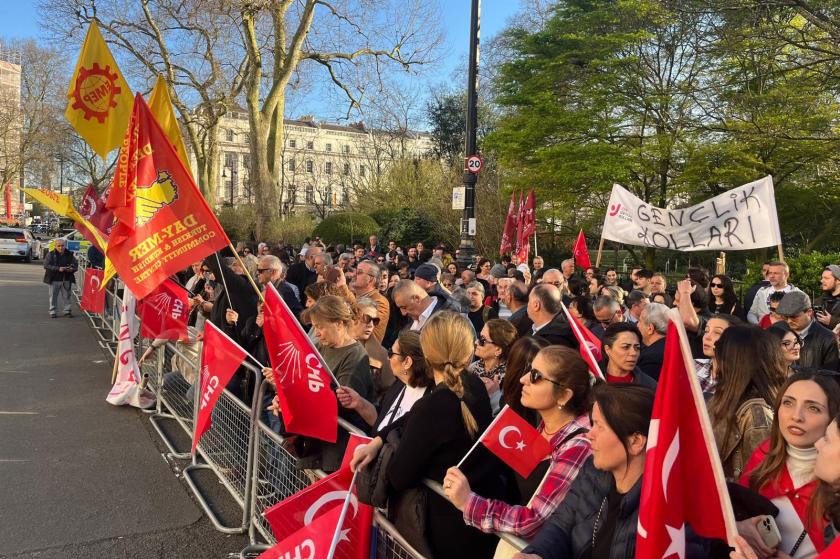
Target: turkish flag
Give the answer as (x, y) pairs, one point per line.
(93, 298)
(588, 343)
(164, 312)
(312, 540)
(581, 253)
(354, 442)
(683, 481)
(512, 439)
(163, 224)
(307, 402)
(510, 228)
(308, 505)
(220, 357)
(93, 208)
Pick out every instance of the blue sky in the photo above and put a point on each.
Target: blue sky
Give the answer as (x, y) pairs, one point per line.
(19, 19)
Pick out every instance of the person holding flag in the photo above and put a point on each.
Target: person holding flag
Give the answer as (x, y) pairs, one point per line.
(60, 274)
(599, 517)
(557, 387)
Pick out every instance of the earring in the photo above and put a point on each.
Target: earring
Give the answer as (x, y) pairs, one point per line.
(560, 407)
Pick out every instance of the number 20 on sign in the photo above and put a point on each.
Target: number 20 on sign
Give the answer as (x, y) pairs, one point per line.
(473, 164)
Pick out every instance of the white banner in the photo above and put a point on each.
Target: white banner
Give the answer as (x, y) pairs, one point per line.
(740, 219)
(130, 386)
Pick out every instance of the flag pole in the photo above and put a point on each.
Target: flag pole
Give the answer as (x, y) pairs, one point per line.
(600, 250)
(579, 336)
(478, 439)
(344, 507)
(250, 279)
(536, 252)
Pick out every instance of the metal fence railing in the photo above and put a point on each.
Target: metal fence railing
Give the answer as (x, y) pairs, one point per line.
(256, 466)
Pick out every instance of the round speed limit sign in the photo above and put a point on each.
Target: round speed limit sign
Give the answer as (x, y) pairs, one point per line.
(474, 164)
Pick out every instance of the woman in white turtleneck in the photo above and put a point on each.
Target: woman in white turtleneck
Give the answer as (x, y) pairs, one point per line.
(782, 467)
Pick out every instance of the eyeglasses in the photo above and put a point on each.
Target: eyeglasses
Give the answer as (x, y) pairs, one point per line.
(716, 285)
(261, 270)
(367, 319)
(788, 344)
(482, 341)
(557, 283)
(536, 376)
(392, 353)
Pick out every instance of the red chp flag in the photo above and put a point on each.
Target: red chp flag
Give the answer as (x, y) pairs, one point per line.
(308, 506)
(580, 252)
(163, 224)
(588, 343)
(220, 357)
(313, 540)
(683, 481)
(510, 228)
(93, 298)
(527, 226)
(93, 208)
(307, 402)
(164, 313)
(512, 439)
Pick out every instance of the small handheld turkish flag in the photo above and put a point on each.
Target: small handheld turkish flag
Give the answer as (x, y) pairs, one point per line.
(512, 439)
(589, 344)
(312, 540)
(307, 506)
(220, 357)
(581, 253)
(164, 312)
(93, 298)
(307, 402)
(683, 481)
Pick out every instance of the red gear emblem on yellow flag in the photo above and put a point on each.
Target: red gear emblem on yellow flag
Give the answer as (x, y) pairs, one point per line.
(96, 92)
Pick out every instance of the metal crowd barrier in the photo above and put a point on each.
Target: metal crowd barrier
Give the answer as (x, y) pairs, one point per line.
(255, 465)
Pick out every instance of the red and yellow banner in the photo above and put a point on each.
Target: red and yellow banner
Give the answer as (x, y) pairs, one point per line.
(163, 224)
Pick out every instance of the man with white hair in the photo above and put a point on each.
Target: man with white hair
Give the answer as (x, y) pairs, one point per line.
(262, 249)
(60, 274)
(272, 270)
(302, 274)
(568, 268)
(653, 324)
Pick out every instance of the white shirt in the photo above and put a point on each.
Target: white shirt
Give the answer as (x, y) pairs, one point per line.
(761, 305)
(418, 324)
(406, 400)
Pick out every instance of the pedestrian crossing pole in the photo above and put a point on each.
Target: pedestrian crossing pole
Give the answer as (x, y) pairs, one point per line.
(467, 246)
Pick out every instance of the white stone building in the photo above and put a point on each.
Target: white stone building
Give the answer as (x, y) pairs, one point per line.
(11, 122)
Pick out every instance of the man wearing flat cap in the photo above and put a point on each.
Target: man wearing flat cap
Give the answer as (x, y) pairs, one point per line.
(819, 344)
(828, 305)
(427, 276)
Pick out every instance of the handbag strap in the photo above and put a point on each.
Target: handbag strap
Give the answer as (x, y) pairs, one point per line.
(393, 411)
(798, 542)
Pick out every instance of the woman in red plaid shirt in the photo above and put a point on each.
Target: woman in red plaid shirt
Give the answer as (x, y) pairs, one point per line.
(557, 387)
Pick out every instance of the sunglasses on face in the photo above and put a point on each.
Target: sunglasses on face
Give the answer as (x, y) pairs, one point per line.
(536, 376)
(261, 270)
(482, 341)
(716, 285)
(392, 353)
(367, 319)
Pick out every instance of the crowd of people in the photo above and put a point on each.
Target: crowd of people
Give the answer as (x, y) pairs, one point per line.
(427, 352)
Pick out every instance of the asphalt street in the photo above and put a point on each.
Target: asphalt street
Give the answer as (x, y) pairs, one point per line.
(80, 478)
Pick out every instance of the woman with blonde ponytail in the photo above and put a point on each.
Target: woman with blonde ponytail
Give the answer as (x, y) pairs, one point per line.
(440, 430)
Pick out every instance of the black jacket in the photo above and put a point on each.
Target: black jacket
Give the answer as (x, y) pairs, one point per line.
(520, 321)
(651, 357)
(819, 349)
(239, 295)
(56, 260)
(288, 295)
(301, 277)
(558, 332)
(568, 531)
(831, 304)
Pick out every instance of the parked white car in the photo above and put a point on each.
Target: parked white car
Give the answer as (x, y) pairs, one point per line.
(19, 243)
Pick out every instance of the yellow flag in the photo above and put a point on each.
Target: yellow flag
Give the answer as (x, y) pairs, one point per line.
(99, 101)
(63, 205)
(161, 105)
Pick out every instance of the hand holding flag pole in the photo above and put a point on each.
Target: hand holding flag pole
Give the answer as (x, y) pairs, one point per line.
(337, 535)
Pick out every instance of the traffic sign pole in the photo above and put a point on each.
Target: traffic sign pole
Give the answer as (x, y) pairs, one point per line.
(467, 247)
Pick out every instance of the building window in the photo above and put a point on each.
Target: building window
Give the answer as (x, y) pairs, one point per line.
(293, 143)
(229, 135)
(328, 167)
(362, 170)
(310, 145)
(292, 165)
(293, 196)
(346, 169)
(329, 147)
(328, 197)
(345, 149)
(310, 194)
(309, 166)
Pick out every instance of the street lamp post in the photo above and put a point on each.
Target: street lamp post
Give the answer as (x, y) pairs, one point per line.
(467, 247)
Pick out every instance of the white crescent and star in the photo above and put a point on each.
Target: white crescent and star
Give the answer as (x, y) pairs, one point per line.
(328, 498)
(95, 279)
(520, 444)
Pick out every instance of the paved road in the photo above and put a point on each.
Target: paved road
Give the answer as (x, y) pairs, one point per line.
(79, 477)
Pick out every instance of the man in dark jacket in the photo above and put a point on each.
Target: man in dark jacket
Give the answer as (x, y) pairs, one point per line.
(60, 268)
(546, 314)
(653, 325)
(414, 303)
(819, 344)
(829, 314)
(272, 270)
(304, 273)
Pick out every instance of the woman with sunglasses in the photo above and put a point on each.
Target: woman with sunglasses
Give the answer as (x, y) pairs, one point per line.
(520, 357)
(782, 467)
(622, 345)
(362, 331)
(557, 387)
(722, 298)
(599, 517)
(790, 343)
(491, 351)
